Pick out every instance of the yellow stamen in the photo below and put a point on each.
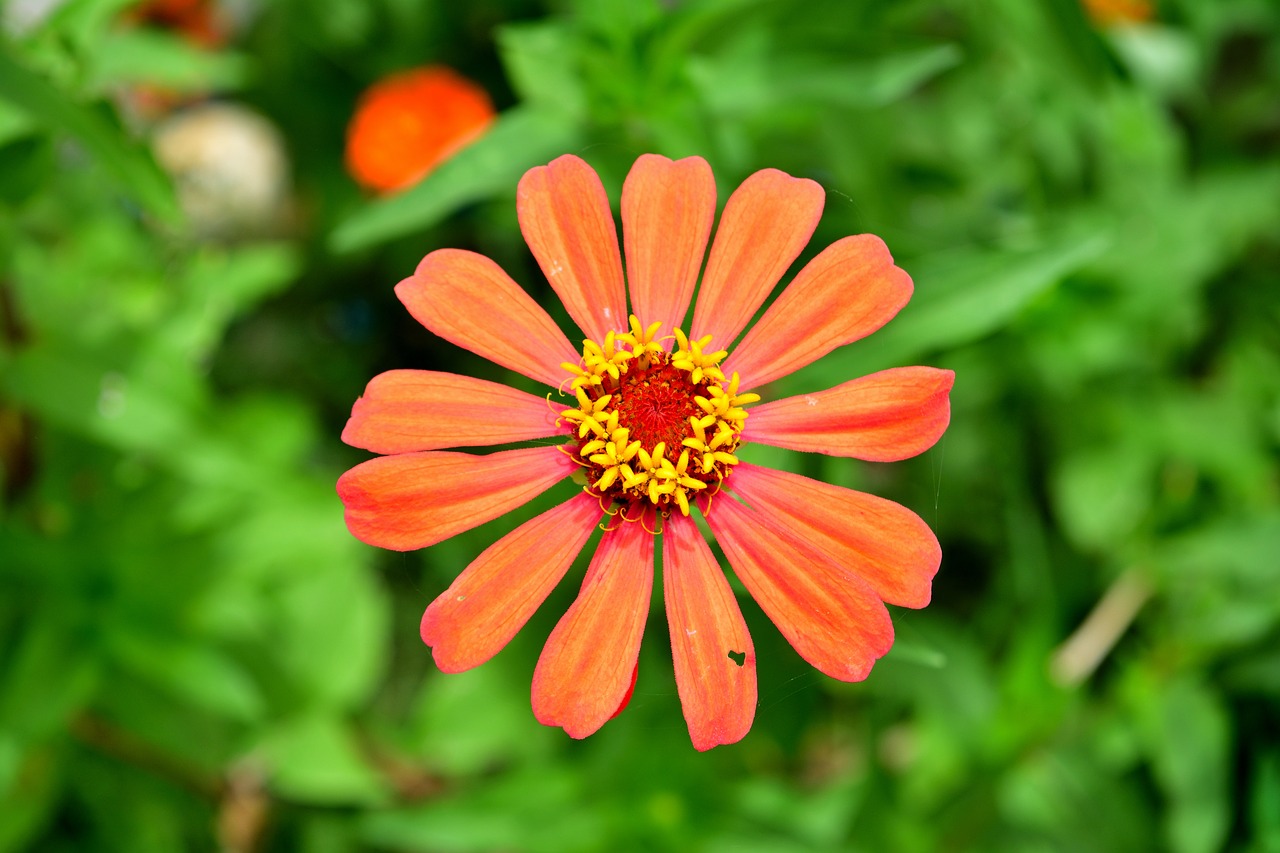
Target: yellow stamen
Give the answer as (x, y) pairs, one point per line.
(626, 381)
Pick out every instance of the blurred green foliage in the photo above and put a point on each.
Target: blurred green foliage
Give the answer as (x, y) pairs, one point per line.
(194, 652)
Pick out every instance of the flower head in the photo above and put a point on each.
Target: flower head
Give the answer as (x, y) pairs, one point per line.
(408, 123)
(652, 420)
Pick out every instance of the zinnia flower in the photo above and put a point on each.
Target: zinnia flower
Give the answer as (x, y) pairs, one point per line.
(408, 123)
(653, 426)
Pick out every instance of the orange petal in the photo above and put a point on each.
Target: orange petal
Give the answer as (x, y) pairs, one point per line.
(884, 543)
(766, 224)
(831, 616)
(626, 698)
(413, 500)
(407, 410)
(843, 294)
(718, 694)
(891, 415)
(468, 300)
(667, 212)
(494, 597)
(565, 217)
(585, 669)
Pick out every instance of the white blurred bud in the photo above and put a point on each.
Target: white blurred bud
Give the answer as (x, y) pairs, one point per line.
(229, 168)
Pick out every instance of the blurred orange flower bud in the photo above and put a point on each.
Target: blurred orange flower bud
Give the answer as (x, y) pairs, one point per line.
(199, 21)
(1109, 12)
(408, 123)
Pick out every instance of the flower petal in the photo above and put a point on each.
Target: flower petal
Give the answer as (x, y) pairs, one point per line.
(766, 224)
(842, 295)
(717, 693)
(884, 543)
(586, 668)
(830, 616)
(565, 218)
(494, 597)
(407, 410)
(468, 300)
(413, 500)
(631, 689)
(891, 415)
(667, 212)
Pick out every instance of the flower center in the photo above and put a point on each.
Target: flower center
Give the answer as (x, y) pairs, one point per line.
(653, 427)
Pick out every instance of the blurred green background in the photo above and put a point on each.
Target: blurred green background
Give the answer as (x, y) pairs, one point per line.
(196, 655)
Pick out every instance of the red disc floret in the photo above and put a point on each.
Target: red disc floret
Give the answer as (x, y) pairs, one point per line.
(653, 429)
(656, 403)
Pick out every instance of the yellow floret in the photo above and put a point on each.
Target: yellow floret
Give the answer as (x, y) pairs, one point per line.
(623, 468)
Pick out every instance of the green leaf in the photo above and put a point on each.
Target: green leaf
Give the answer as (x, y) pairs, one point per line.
(76, 391)
(456, 828)
(332, 624)
(962, 299)
(199, 673)
(1189, 741)
(26, 164)
(748, 82)
(245, 276)
(1220, 579)
(1264, 809)
(1104, 493)
(130, 164)
(873, 84)
(519, 140)
(148, 56)
(30, 783)
(921, 654)
(82, 22)
(222, 285)
(820, 817)
(540, 60)
(1163, 58)
(466, 722)
(33, 705)
(1062, 792)
(14, 122)
(316, 759)
(10, 759)
(535, 809)
(622, 22)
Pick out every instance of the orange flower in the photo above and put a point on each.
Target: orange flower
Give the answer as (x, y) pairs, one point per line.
(651, 424)
(408, 123)
(1106, 13)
